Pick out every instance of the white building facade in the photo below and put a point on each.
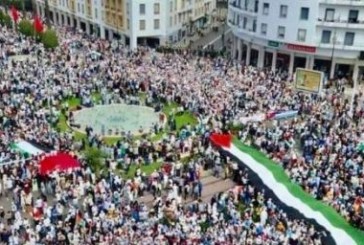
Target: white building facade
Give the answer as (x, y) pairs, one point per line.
(326, 35)
(135, 21)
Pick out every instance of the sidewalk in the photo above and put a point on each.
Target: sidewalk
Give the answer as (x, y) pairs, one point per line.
(208, 36)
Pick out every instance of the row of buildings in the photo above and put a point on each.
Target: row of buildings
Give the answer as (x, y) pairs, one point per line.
(325, 35)
(152, 22)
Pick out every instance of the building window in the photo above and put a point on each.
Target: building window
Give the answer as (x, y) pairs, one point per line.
(171, 6)
(329, 14)
(142, 8)
(245, 20)
(326, 36)
(254, 25)
(170, 21)
(349, 38)
(142, 25)
(263, 29)
(301, 35)
(281, 31)
(265, 8)
(95, 13)
(353, 16)
(128, 24)
(156, 24)
(156, 8)
(305, 12)
(283, 11)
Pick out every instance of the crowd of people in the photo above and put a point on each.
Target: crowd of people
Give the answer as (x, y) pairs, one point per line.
(321, 150)
(318, 148)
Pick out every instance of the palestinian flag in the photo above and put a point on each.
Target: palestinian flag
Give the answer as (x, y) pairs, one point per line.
(287, 195)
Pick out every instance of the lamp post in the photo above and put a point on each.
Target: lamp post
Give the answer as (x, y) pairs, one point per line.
(46, 10)
(333, 51)
(223, 32)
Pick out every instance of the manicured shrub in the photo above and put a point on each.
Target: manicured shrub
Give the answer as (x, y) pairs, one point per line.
(49, 39)
(26, 27)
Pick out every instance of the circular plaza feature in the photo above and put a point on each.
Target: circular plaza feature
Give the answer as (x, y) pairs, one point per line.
(112, 120)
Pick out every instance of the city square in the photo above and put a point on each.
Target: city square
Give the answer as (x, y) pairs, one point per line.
(181, 122)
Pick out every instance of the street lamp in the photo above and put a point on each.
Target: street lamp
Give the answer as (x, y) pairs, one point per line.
(46, 9)
(224, 24)
(334, 40)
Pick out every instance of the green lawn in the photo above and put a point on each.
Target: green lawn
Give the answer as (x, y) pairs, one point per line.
(73, 103)
(181, 120)
(147, 169)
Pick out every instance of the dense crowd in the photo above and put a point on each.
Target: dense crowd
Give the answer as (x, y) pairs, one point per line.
(321, 150)
(317, 149)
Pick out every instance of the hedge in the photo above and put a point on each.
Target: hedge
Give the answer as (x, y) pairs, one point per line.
(26, 27)
(5, 19)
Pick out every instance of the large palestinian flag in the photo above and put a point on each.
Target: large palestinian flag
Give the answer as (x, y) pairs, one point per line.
(289, 196)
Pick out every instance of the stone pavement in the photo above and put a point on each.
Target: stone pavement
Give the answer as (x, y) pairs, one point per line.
(211, 37)
(211, 186)
(22, 57)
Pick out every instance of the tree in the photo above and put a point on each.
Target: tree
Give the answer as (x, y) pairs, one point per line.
(5, 19)
(49, 39)
(94, 158)
(18, 4)
(26, 28)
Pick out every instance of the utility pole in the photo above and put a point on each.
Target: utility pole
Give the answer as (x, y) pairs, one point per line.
(46, 9)
(34, 7)
(333, 50)
(6, 5)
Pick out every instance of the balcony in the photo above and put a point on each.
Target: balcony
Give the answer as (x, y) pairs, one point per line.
(343, 2)
(72, 7)
(349, 24)
(243, 10)
(239, 29)
(340, 46)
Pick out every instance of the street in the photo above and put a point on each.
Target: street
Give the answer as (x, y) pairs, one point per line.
(212, 38)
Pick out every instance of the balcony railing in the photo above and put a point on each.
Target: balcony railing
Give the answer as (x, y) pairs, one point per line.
(236, 25)
(243, 8)
(343, 2)
(351, 23)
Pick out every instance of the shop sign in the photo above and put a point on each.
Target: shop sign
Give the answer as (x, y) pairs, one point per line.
(301, 48)
(273, 44)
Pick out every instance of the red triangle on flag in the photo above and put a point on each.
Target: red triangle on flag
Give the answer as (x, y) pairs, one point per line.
(221, 140)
